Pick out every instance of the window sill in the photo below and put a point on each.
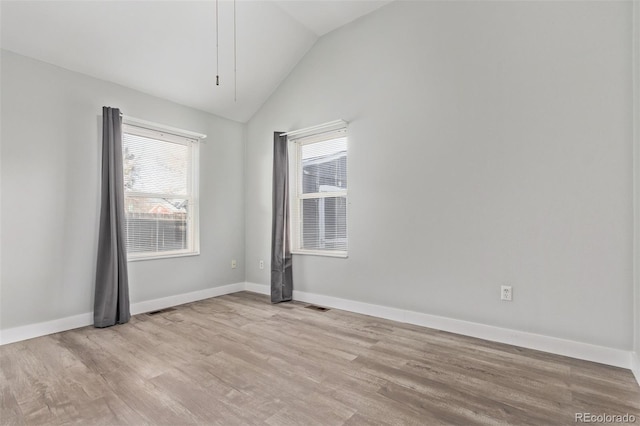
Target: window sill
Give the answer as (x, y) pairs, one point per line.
(340, 254)
(137, 258)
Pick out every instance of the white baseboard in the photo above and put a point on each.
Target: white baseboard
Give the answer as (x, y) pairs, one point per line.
(30, 331)
(181, 299)
(585, 351)
(17, 334)
(635, 365)
(257, 288)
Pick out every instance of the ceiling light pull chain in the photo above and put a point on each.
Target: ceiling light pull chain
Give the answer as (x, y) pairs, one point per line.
(217, 50)
(235, 62)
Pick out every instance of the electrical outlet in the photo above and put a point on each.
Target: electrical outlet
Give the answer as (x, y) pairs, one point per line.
(262, 264)
(234, 264)
(506, 293)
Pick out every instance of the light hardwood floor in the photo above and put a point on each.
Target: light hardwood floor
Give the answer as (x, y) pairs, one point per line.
(237, 359)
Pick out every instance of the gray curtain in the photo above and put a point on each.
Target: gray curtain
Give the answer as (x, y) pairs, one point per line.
(281, 276)
(111, 303)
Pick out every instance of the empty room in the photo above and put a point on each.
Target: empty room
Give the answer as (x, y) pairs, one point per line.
(320, 212)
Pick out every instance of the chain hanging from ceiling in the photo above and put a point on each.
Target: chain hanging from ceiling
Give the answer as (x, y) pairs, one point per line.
(235, 51)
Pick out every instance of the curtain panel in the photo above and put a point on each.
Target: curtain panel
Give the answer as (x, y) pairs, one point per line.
(281, 272)
(111, 303)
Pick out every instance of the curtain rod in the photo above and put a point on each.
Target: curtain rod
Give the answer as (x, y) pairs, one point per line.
(331, 125)
(157, 126)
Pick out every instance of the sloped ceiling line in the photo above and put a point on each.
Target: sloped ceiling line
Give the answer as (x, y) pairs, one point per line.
(167, 49)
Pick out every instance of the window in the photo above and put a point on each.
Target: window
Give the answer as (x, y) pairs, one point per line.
(319, 207)
(160, 193)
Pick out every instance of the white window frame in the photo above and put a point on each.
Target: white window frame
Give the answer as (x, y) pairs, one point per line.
(187, 138)
(295, 181)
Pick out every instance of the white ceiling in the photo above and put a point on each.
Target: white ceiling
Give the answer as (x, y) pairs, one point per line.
(322, 17)
(167, 48)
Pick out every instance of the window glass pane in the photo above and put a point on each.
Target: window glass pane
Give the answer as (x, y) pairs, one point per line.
(156, 224)
(155, 166)
(324, 223)
(324, 166)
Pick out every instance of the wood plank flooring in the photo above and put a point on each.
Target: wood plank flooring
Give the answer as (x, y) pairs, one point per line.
(238, 360)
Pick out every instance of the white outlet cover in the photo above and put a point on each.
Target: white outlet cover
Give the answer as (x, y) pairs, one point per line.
(506, 293)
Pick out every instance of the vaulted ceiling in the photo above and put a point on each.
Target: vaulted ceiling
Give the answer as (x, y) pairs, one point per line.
(168, 48)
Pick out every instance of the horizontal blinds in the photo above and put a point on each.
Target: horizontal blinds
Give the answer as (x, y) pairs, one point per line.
(158, 193)
(322, 192)
(323, 223)
(324, 166)
(156, 224)
(154, 166)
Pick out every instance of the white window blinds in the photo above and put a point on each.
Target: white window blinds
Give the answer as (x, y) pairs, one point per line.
(320, 205)
(160, 183)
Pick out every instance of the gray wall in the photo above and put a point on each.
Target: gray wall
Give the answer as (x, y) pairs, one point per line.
(490, 143)
(50, 170)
